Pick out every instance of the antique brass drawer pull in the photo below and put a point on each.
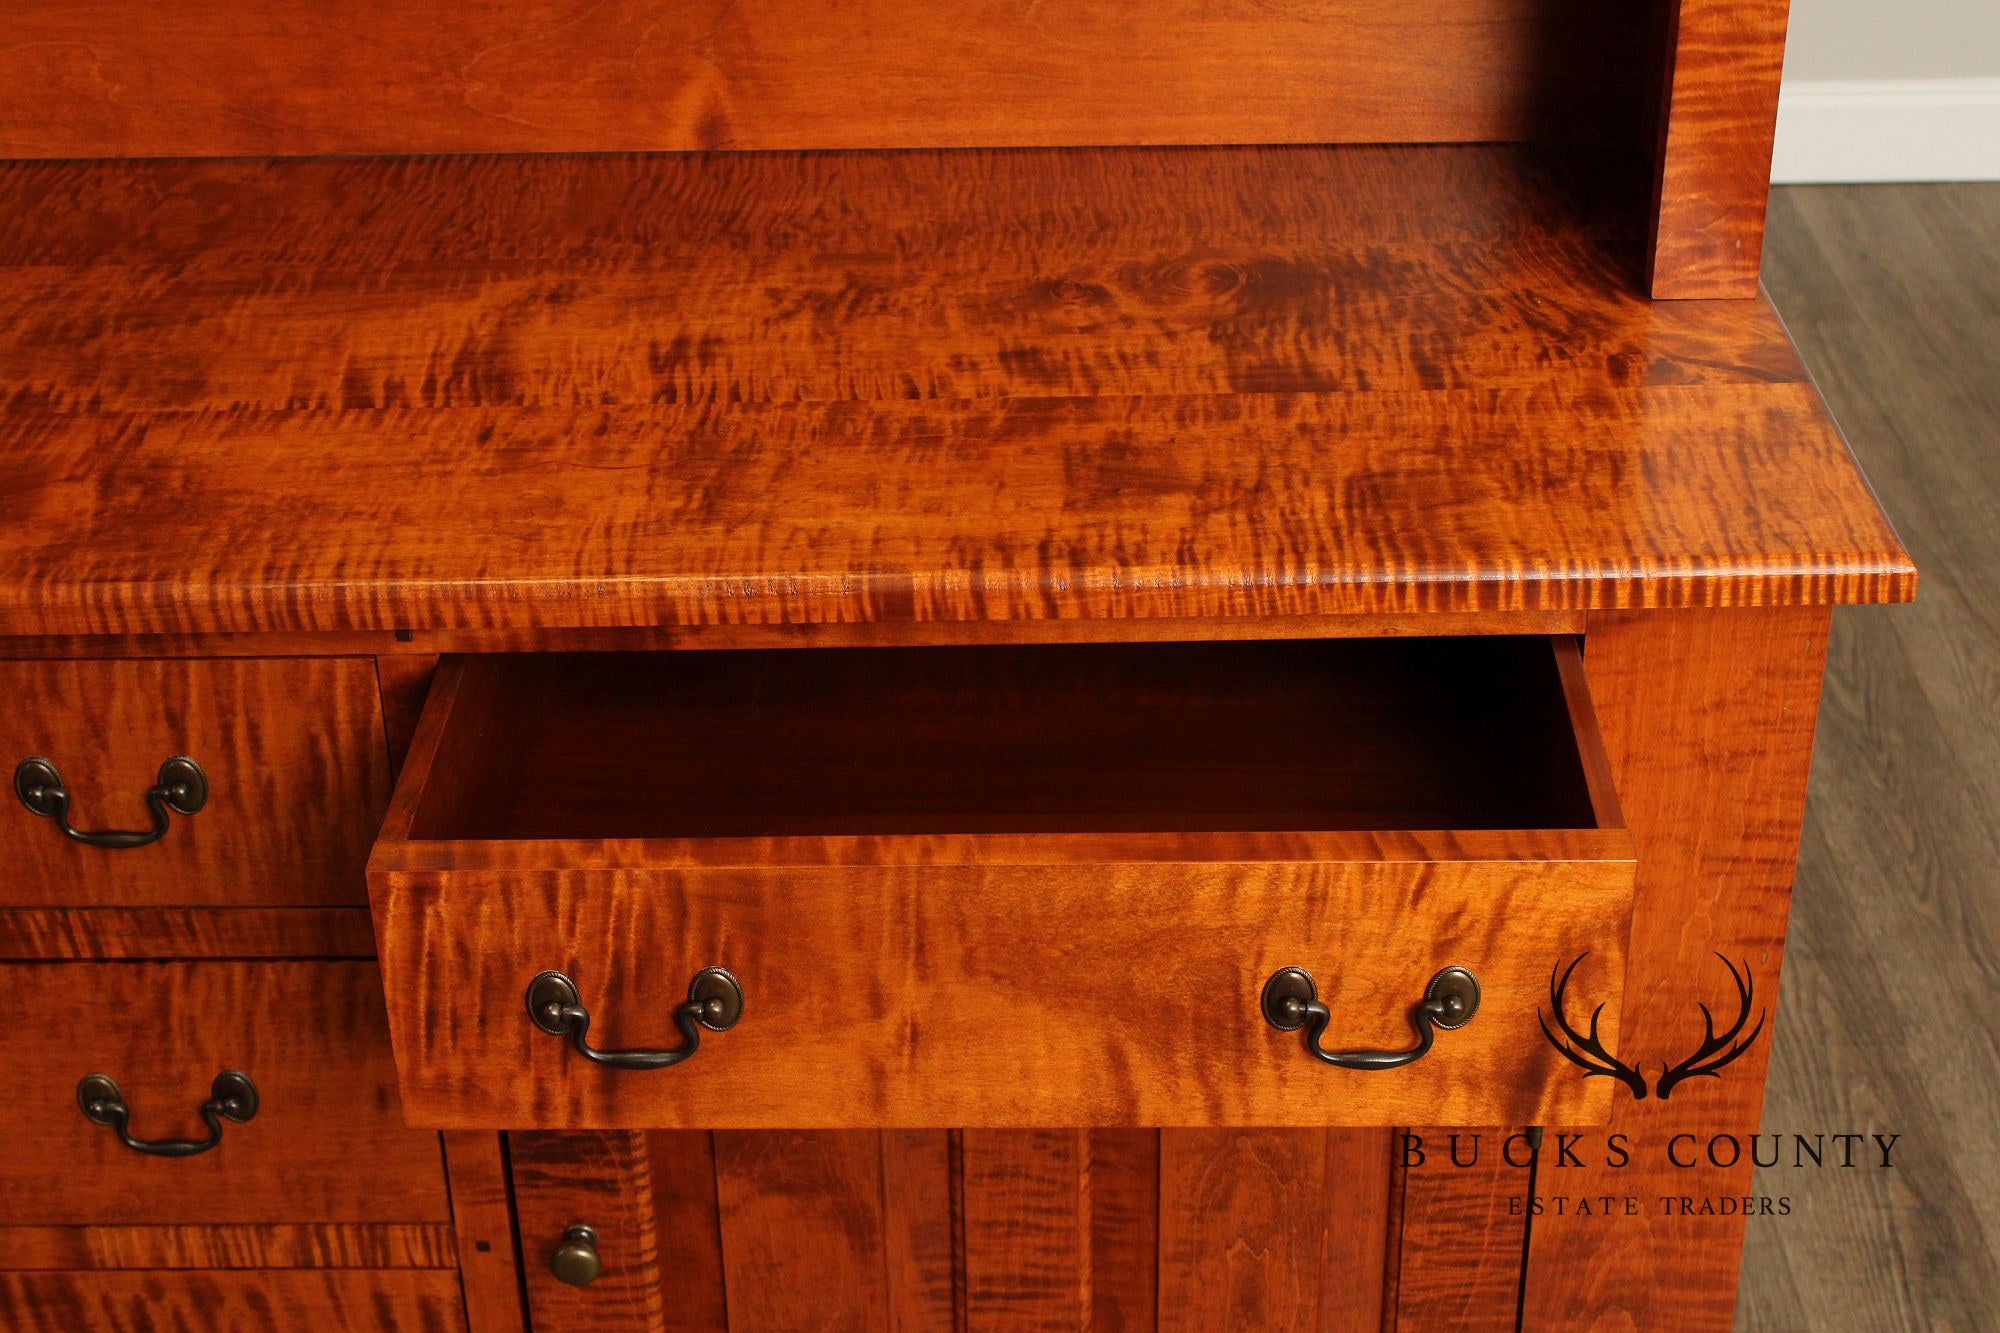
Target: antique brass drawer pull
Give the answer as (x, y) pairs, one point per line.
(576, 1261)
(232, 1096)
(1291, 1002)
(715, 1002)
(182, 788)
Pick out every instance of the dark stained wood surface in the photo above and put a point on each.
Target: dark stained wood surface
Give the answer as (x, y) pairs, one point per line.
(827, 1226)
(979, 1229)
(358, 1300)
(605, 1181)
(298, 779)
(482, 1222)
(1713, 169)
(1895, 925)
(905, 387)
(428, 644)
(328, 1143)
(1708, 724)
(186, 932)
(1026, 1224)
(295, 1245)
(230, 77)
(1463, 734)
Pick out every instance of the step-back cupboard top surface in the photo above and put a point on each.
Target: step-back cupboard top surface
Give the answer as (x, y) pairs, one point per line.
(336, 336)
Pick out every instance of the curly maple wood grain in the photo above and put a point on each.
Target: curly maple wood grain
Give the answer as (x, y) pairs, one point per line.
(205, 218)
(906, 388)
(482, 1229)
(294, 1245)
(328, 1143)
(938, 994)
(652, 1200)
(356, 1300)
(1713, 169)
(292, 749)
(1708, 725)
(842, 1226)
(260, 76)
(1273, 1228)
(29, 933)
(1034, 508)
(1458, 1239)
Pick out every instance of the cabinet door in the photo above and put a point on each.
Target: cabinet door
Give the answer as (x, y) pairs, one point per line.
(923, 1229)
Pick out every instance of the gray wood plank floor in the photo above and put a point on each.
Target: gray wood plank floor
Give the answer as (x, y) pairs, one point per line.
(1890, 1010)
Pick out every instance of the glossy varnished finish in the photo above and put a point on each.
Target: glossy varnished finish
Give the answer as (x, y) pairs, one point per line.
(1713, 170)
(229, 77)
(292, 749)
(997, 995)
(889, 387)
(328, 1142)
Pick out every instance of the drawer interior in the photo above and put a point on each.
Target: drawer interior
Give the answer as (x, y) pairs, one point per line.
(1337, 734)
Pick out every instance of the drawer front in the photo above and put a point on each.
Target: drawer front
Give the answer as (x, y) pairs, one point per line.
(291, 752)
(395, 1301)
(1084, 992)
(327, 1142)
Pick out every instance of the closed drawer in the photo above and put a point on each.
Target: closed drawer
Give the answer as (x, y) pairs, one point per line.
(1001, 886)
(352, 1300)
(291, 754)
(326, 1143)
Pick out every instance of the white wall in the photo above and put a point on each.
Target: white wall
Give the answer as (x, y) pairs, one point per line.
(1890, 90)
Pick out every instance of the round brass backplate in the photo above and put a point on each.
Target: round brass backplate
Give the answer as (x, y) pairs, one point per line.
(1286, 996)
(720, 997)
(1459, 991)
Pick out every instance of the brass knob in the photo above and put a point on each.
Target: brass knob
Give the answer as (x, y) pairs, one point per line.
(575, 1261)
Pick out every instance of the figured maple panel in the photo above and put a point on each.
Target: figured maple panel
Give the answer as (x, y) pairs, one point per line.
(815, 1223)
(294, 1245)
(1273, 1228)
(358, 1300)
(929, 387)
(1713, 172)
(937, 992)
(297, 772)
(262, 76)
(1708, 724)
(327, 1144)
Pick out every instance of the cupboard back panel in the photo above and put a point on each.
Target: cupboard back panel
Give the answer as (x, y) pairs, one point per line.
(98, 78)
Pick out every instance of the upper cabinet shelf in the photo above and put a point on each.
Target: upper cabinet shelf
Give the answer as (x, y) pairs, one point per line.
(944, 385)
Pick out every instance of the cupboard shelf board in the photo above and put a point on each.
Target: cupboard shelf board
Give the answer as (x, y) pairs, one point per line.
(756, 388)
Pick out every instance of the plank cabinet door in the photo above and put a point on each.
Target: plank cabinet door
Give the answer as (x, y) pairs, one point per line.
(934, 1229)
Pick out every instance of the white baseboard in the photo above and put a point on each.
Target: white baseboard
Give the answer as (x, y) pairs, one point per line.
(1887, 130)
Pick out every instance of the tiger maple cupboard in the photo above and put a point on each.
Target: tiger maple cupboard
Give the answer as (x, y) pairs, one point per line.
(768, 666)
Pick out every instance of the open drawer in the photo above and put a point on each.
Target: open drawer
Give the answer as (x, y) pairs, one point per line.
(1008, 886)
